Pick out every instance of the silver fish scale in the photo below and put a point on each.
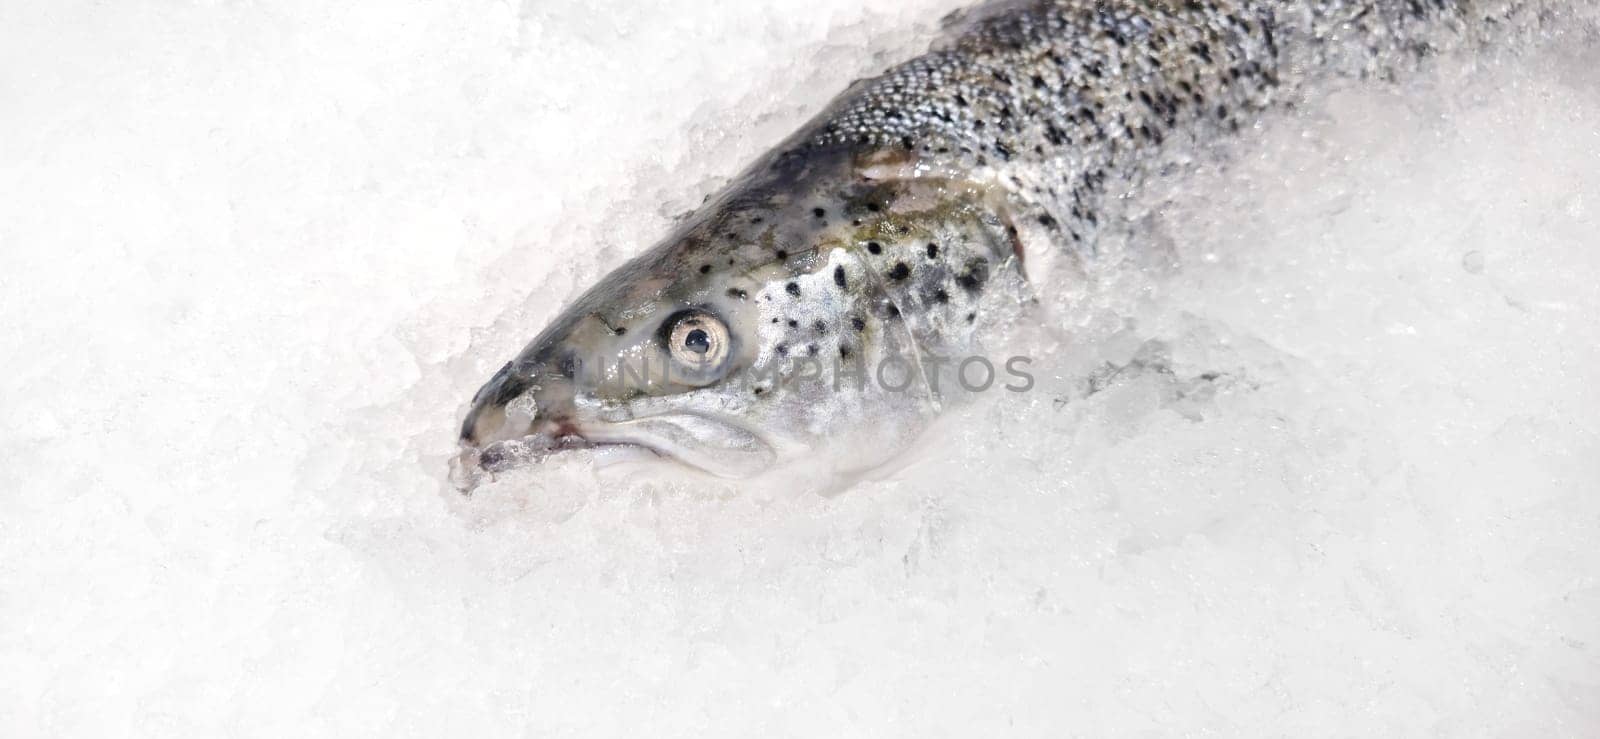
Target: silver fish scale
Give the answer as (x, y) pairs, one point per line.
(1051, 98)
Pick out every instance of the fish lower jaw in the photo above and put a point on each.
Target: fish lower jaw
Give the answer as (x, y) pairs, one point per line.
(711, 446)
(475, 465)
(507, 454)
(698, 444)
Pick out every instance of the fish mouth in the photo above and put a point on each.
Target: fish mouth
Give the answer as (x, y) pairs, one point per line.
(711, 445)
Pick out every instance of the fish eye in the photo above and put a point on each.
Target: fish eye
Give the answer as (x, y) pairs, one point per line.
(697, 339)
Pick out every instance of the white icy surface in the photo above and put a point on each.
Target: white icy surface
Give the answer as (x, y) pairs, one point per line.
(254, 258)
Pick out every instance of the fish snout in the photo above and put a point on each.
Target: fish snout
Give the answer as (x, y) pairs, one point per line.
(515, 406)
(513, 419)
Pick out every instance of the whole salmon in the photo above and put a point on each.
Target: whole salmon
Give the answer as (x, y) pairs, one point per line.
(826, 305)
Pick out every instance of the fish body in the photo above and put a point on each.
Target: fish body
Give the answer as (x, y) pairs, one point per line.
(825, 306)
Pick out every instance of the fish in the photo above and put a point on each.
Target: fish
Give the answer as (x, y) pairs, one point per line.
(839, 295)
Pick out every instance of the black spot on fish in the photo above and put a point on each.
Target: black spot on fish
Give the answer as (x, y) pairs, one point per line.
(976, 273)
(940, 296)
(933, 251)
(792, 288)
(782, 350)
(820, 326)
(737, 294)
(899, 271)
(874, 247)
(793, 323)
(874, 207)
(783, 254)
(844, 351)
(858, 324)
(705, 268)
(838, 276)
(818, 212)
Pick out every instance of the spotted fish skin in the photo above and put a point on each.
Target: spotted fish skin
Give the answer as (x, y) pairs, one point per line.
(902, 221)
(1051, 100)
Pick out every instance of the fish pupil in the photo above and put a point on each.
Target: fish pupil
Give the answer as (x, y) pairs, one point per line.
(697, 341)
